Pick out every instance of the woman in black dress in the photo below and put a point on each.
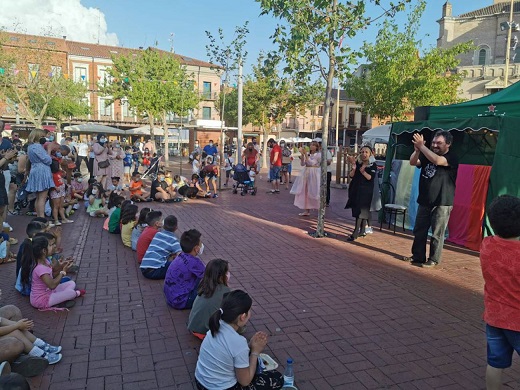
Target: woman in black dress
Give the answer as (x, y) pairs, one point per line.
(360, 190)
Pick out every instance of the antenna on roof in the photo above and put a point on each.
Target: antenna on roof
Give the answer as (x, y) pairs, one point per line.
(172, 35)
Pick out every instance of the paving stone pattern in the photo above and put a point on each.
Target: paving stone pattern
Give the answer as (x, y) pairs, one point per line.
(351, 315)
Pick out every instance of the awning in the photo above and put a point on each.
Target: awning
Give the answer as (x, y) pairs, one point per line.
(93, 128)
(145, 130)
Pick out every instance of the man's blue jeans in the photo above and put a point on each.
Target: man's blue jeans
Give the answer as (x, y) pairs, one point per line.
(437, 218)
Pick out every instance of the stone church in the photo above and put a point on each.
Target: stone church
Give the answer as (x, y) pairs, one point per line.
(487, 28)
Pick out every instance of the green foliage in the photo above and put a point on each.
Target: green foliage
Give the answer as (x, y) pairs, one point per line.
(397, 79)
(70, 103)
(153, 83)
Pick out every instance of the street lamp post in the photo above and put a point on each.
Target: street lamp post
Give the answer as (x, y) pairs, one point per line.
(508, 43)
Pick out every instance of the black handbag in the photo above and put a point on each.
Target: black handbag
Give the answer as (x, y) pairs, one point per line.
(103, 164)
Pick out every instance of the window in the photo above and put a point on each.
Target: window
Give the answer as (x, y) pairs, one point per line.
(80, 75)
(34, 69)
(313, 112)
(363, 119)
(482, 54)
(206, 90)
(103, 76)
(340, 116)
(125, 108)
(351, 117)
(55, 71)
(206, 112)
(320, 111)
(104, 110)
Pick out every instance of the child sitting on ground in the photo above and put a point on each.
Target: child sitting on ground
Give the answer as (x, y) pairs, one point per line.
(163, 248)
(181, 188)
(46, 290)
(115, 187)
(139, 226)
(226, 360)
(184, 275)
(195, 183)
(499, 259)
(153, 220)
(115, 215)
(127, 224)
(96, 202)
(211, 290)
(32, 345)
(77, 187)
(136, 189)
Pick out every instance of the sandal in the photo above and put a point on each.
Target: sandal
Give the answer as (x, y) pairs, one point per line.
(13, 241)
(7, 259)
(304, 214)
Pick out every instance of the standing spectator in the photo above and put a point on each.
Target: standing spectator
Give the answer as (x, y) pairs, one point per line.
(275, 159)
(116, 160)
(136, 155)
(259, 150)
(102, 152)
(499, 256)
(229, 163)
(250, 157)
(15, 136)
(211, 150)
(91, 157)
(150, 145)
(306, 187)
(82, 154)
(329, 176)
(40, 176)
(127, 163)
(436, 192)
(360, 190)
(286, 163)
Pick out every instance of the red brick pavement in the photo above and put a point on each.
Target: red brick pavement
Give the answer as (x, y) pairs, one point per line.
(351, 316)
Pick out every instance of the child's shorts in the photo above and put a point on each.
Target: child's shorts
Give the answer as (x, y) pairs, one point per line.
(127, 170)
(501, 343)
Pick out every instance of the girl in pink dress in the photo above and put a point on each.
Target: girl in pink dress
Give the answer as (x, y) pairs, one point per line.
(46, 290)
(306, 187)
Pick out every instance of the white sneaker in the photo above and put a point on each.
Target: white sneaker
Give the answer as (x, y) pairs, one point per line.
(75, 207)
(7, 226)
(52, 358)
(369, 230)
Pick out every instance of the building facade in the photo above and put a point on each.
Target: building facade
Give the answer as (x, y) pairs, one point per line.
(484, 67)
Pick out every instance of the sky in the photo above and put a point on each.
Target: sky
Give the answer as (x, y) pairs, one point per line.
(178, 23)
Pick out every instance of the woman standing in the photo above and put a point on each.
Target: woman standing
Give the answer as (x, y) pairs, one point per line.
(101, 161)
(251, 156)
(40, 176)
(116, 160)
(361, 189)
(306, 187)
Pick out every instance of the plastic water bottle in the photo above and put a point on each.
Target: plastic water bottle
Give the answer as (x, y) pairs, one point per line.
(288, 374)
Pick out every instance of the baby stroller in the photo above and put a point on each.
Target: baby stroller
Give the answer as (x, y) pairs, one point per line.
(244, 180)
(153, 170)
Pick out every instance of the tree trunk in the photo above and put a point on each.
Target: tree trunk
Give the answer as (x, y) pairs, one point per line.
(166, 137)
(264, 150)
(320, 226)
(151, 123)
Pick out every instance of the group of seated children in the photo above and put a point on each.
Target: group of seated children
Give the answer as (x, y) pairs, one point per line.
(41, 274)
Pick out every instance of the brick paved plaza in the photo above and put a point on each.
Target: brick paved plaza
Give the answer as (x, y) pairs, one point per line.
(352, 316)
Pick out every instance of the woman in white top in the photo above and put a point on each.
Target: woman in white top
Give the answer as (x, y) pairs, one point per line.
(225, 360)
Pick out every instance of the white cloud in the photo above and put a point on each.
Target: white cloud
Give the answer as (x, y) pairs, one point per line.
(56, 18)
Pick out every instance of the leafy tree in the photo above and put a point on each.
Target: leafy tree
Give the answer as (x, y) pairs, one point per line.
(397, 79)
(70, 103)
(40, 90)
(227, 57)
(154, 83)
(310, 40)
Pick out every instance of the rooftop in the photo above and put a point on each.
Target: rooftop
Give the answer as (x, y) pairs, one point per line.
(495, 9)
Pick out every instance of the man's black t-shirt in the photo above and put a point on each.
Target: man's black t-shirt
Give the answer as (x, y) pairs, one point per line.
(155, 184)
(437, 183)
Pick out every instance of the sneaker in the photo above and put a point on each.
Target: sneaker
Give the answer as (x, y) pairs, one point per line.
(369, 230)
(149, 200)
(51, 348)
(215, 195)
(82, 292)
(67, 221)
(52, 358)
(7, 226)
(75, 207)
(429, 264)
(29, 366)
(185, 199)
(5, 368)
(14, 212)
(51, 224)
(57, 223)
(417, 263)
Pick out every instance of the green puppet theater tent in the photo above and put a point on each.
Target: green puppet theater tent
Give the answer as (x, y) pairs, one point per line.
(486, 139)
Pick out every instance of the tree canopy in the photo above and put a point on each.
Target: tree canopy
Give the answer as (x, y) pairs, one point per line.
(397, 78)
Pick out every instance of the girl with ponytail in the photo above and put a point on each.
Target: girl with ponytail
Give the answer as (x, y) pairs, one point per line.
(46, 290)
(226, 360)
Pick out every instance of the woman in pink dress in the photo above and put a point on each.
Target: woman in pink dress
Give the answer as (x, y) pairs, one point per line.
(306, 187)
(116, 161)
(101, 151)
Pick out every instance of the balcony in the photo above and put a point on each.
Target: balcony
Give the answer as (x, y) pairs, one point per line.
(209, 95)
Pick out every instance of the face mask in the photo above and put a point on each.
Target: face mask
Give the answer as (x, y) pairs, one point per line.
(211, 144)
(94, 191)
(117, 146)
(102, 140)
(228, 276)
(59, 155)
(161, 179)
(196, 145)
(201, 250)
(79, 179)
(51, 138)
(254, 142)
